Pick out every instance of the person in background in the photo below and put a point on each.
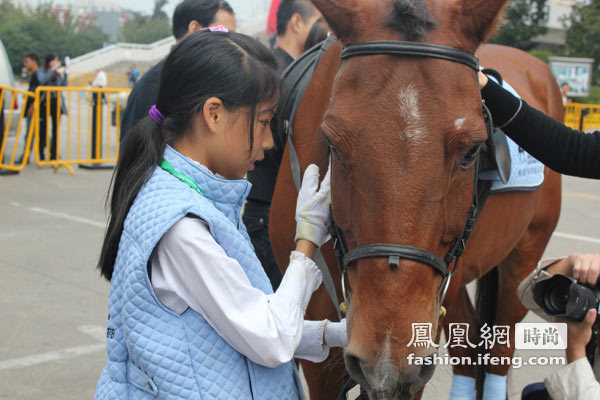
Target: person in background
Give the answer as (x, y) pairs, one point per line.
(51, 74)
(100, 82)
(294, 21)
(192, 314)
(564, 89)
(189, 16)
(132, 76)
(571, 152)
(31, 64)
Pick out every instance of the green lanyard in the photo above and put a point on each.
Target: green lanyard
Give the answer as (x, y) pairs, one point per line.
(182, 177)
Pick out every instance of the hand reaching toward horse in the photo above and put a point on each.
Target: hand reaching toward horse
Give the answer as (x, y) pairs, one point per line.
(335, 334)
(483, 79)
(312, 208)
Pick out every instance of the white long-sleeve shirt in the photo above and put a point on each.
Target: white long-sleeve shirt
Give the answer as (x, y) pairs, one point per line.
(190, 269)
(576, 380)
(100, 80)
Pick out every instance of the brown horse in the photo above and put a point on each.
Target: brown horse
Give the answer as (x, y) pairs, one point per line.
(403, 132)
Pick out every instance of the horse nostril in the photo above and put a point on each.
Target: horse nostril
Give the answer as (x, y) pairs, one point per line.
(354, 365)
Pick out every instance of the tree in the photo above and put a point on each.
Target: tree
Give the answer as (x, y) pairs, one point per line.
(524, 21)
(158, 10)
(142, 29)
(583, 34)
(42, 30)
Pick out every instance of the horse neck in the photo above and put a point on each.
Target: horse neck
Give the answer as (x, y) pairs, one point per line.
(312, 148)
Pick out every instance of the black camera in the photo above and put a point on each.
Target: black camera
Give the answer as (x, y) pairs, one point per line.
(562, 296)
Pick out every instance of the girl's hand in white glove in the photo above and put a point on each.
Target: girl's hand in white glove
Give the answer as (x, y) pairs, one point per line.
(312, 207)
(335, 334)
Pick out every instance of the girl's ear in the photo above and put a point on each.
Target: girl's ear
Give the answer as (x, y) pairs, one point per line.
(213, 113)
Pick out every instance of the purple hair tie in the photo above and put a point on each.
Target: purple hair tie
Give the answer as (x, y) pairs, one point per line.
(219, 28)
(156, 115)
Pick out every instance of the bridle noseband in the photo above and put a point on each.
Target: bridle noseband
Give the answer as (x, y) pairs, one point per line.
(395, 252)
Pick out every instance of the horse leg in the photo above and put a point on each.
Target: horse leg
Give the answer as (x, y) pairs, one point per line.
(516, 267)
(460, 310)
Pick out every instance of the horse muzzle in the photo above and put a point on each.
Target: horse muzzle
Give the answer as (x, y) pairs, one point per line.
(385, 380)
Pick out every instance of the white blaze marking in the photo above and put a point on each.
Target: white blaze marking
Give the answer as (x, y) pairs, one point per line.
(459, 122)
(409, 111)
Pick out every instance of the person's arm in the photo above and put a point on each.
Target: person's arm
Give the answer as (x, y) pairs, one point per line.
(525, 289)
(559, 147)
(191, 269)
(574, 381)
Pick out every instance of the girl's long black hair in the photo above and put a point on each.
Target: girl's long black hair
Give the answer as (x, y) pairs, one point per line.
(233, 67)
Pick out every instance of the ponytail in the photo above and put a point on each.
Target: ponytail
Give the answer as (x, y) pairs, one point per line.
(141, 152)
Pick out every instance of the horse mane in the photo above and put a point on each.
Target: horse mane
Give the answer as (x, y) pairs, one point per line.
(412, 18)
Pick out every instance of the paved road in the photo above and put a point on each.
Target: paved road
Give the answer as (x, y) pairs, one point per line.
(53, 302)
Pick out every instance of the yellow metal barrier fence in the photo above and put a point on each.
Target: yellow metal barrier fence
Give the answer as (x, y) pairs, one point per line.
(584, 117)
(66, 126)
(90, 131)
(16, 130)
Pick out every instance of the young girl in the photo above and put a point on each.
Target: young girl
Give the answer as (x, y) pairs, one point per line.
(191, 312)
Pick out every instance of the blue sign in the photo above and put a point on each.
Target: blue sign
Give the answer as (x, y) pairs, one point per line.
(577, 72)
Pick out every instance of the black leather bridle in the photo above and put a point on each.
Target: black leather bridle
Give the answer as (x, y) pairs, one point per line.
(395, 252)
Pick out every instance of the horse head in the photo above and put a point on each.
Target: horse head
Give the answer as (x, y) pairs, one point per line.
(404, 133)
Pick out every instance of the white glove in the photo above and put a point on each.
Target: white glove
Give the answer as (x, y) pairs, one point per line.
(300, 280)
(312, 207)
(335, 334)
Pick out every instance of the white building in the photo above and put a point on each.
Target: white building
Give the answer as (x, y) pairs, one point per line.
(557, 11)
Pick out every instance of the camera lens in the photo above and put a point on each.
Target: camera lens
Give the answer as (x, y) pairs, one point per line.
(557, 300)
(556, 295)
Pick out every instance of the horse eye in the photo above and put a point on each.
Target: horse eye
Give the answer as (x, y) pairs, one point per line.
(471, 156)
(335, 153)
(332, 149)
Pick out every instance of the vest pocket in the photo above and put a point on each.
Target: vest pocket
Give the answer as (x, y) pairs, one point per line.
(140, 380)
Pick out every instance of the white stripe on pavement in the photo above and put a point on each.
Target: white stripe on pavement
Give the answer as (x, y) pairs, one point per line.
(576, 237)
(68, 217)
(35, 359)
(95, 331)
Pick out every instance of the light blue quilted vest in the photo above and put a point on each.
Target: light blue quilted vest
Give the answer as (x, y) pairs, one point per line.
(155, 353)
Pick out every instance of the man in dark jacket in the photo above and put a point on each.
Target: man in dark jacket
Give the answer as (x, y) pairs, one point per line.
(295, 19)
(31, 64)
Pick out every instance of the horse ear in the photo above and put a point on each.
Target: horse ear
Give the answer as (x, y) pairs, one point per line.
(480, 19)
(344, 16)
